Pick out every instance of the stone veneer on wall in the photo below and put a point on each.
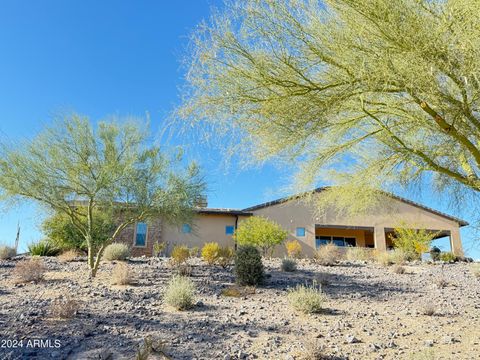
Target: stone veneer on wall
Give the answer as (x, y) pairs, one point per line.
(154, 231)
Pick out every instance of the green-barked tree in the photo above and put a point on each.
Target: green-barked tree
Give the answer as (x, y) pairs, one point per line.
(114, 170)
(368, 92)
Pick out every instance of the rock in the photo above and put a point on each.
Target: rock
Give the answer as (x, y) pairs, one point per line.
(351, 339)
(428, 343)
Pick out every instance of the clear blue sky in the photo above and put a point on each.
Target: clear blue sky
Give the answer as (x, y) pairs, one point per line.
(112, 57)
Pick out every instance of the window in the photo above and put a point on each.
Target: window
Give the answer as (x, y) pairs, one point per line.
(300, 231)
(141, 234)
(186, 229)
(336, 240)
(229, 230)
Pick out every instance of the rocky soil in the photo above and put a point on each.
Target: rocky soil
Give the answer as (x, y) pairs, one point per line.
(370, 313)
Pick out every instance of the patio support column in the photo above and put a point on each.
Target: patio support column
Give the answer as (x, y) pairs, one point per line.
(379, 238)
(456, 242)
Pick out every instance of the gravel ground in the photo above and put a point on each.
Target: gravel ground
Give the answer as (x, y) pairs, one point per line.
(370, 313)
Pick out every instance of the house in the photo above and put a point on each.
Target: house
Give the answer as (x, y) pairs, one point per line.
(303, 224)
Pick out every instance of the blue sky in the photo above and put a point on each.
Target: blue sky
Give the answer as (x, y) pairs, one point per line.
(113, 57)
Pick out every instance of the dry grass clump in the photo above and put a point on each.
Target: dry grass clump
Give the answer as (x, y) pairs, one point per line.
(68, 256)
(184, 270)
(180, 293)
(358, 254)
(294, 249)
(29, 270)
(180, 254)
(289, 265)
(313, 350)
(475, 268)
(307, 299)
(7, 252)
(238, 291)
(428, 309)
(151, 346)
(121, 275)
(116, 251)
(323, 279)
(399, 269)
(327, 255)
(441, 282)
(391, 257)
(64, 308)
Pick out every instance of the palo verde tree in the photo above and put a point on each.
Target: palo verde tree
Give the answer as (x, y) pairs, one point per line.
(79, 171)
(390, 88)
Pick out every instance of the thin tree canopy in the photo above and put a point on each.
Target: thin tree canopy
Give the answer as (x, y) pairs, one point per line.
(389, 88)
(113, 170)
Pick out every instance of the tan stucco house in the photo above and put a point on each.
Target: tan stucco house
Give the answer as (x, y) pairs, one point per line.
(302, 222)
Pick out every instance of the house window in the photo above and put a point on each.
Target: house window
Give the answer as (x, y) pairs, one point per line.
(300, 232)
(336, 240)
(141, 234)
(186, 229)
(229, 230)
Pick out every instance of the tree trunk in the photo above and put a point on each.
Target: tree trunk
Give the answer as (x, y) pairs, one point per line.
(98, 258)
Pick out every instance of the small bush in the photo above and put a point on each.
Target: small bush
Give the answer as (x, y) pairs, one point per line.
(180, 254)
(294, 249)
(306, 299)
(441, 282)
(184, 270)
(68, 256)
(231, 291)
(248, 266)
(448, 257)
(476, 270)
(121, 275)
(398, 269)
(194, 251)
(428, 309)
(180, 293)
(383, 258)
(323, 279)
(210, 252)
(225, 256)
(289, 265)
(159, 248)
(435, 253)
(43, 248)
(7, 252)
(327, 255)
(29, 270)
(116, 251)
(64, 308)
(152, 346)
(390, 257)
(358, 254)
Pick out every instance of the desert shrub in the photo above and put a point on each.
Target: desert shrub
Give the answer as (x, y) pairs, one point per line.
(383, 258)
(152, 346)
(412, 241)
(159, 248)
(180, 254)
(390, 257)
(475, 268)
(43, 248)
(289, 265)
(248, 266)
(260, 232)
(65, 308)
(194, 251)
(184, 269)
(398, 269)
(448, 257)
(428, 309)
(121, 275)
(7, 252)
(327, 254)
(180, 293)
(231, 291)
(435, 253)
(64, 235)
(225, 256)
(68, 255)
(323, 279)
(441, 282)
(358, 254)
(294, 249)
(116, 251)
(306, 299)
(210, 252)
(29, 270)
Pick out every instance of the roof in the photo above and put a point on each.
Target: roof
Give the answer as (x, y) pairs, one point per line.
(222, 211)
(319, 189)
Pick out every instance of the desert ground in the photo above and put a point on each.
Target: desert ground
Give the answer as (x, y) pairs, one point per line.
(371, 312)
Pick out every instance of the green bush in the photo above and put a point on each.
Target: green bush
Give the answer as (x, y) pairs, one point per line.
(411, 240)
(289, 265)
(43, 248)
(448, 257)
(180, 254)
(225, 256)
(116, 251)
(7, 252)
(180, 293)
(306, 299)
(210, 252)
(260, 232)
(248, 266)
